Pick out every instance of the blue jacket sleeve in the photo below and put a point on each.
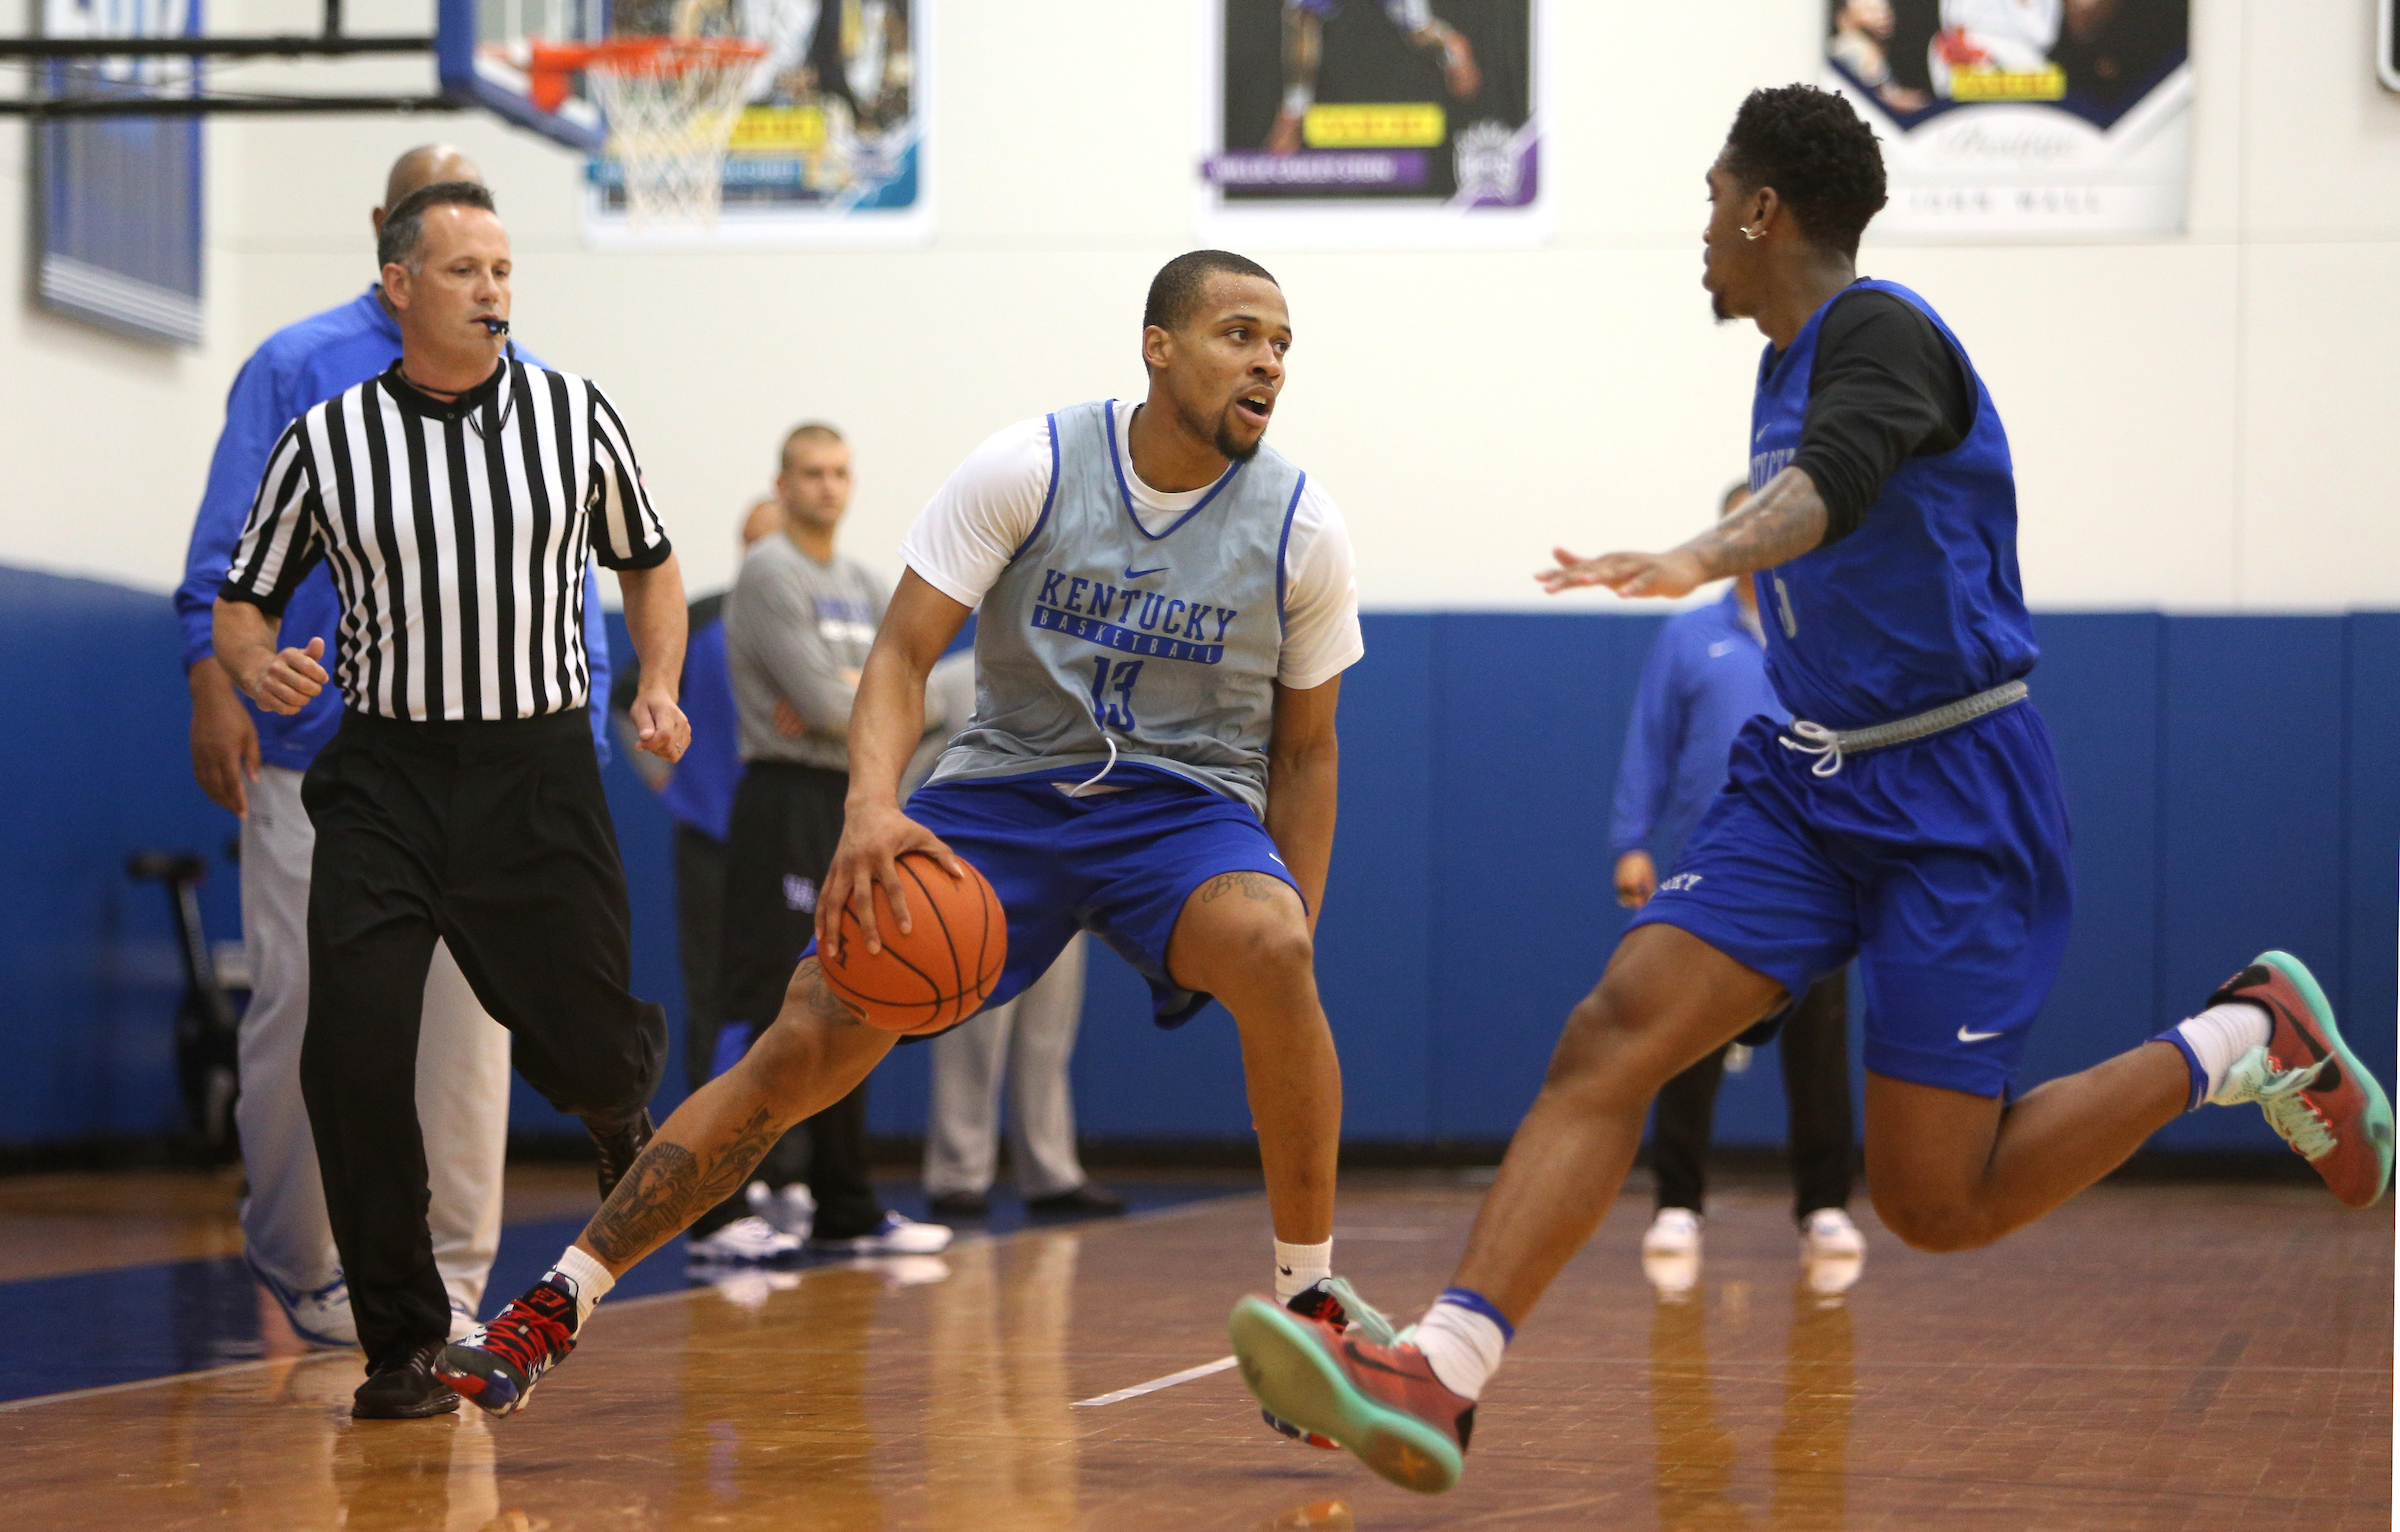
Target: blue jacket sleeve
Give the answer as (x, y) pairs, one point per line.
(1646, 776)
(255, 414)
(595, 643)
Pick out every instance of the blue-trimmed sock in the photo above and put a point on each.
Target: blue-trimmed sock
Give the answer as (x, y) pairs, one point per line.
(2211, 1041)
(1463, 1337)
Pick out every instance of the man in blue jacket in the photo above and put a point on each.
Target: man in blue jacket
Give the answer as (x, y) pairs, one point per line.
(251, 763)
(1707, 676)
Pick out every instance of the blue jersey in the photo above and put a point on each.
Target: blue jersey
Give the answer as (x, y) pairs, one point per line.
(1921, 605)
(296, 368)
(1705, 678)
(700, 793)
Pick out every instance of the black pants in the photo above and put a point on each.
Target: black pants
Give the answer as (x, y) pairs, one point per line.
(787, 820)
(700, 940)
(494, 838)
(1815, 1043)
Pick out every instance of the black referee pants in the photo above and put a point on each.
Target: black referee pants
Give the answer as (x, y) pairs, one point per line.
(1815, 1045)
(494, 838)
(787, 820)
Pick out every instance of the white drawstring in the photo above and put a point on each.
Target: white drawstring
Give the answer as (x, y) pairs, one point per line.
(1823, 743)
(1086, 789)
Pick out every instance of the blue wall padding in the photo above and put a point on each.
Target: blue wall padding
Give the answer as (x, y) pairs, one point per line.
(101, 766)
(2231, 779)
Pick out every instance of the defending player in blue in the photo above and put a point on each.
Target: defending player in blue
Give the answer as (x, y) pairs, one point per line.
(1167, 607)
(1911, 816)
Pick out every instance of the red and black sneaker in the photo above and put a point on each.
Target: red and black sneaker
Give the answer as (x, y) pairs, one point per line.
(2313, 1089)
(500, 1363)
(1375, 1396)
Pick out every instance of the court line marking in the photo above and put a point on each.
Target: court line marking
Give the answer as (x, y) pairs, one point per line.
(225, 1370)
(1154, 1385)
(684, 1295)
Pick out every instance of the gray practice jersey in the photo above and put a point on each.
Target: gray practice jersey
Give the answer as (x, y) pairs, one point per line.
(1098, 632)
(799, 630)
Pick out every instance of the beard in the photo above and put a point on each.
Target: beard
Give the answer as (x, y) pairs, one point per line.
(1716, 306)
(1230, 448)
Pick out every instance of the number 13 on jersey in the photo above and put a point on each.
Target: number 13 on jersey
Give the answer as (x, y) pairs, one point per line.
(1112, 693)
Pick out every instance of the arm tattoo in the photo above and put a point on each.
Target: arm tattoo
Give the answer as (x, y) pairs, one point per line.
(1784, 520)
(669, 1186)
(1251, 885)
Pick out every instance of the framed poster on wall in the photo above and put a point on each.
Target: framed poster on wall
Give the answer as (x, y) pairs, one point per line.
(119, 197)
(829, 150)
(1372, 123)
(2022, 119)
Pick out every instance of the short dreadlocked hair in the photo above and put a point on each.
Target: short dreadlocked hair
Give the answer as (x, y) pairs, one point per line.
(1822, 160)
(1176, 291)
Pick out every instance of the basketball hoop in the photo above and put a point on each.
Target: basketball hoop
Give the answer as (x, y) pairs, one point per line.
(671, 105)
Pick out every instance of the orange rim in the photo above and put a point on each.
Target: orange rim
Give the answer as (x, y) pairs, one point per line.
(552, 65)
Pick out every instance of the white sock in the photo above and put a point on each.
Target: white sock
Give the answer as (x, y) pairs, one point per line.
(1463, 1338)
(1300, 1267)
(1297, 99)
(586, 1278)
(2222, 1034)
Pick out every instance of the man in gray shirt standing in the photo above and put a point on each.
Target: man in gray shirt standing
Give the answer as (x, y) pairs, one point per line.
(798, 626)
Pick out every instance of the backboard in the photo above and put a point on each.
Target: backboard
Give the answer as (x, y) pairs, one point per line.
(483, 50)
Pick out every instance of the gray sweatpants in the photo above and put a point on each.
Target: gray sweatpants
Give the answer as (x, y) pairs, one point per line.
(462, 1078)
(1032, 1038)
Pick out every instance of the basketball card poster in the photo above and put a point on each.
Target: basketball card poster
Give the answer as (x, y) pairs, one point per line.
(1373, 122)
(830, 147)
(2021, 119)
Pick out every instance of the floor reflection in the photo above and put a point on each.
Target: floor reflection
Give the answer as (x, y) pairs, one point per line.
(1697, 1458)
(1001, 1440)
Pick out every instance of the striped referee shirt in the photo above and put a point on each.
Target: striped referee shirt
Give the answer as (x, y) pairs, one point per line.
(457, 531)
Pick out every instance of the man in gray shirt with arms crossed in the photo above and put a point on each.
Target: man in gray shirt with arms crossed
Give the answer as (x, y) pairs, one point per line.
(798, 626)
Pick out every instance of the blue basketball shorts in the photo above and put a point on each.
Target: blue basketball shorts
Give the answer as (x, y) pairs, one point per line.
(1119, 865)
(1940, 864)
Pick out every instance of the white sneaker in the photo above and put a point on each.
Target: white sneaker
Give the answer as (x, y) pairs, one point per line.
(1675, 1231)
(792, 1209)
(1833, 1252)
(743, 1242)
(319, 1316)
(1829, 1233)
(896, 1236)
(1671, 1253)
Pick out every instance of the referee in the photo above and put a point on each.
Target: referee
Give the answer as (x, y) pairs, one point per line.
(456, 497)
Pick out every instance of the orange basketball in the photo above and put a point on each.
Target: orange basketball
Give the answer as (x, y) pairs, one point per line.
(932, 977)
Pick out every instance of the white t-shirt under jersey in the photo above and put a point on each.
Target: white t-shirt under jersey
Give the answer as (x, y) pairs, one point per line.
(984, 513)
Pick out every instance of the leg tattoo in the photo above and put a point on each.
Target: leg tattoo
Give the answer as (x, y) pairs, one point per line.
(1255, 886)
(669, 1187)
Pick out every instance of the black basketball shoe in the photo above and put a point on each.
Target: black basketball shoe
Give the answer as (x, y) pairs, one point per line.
(405, 1388)
(619, 1147)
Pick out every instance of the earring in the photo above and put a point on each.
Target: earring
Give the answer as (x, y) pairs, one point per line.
(1754, 234)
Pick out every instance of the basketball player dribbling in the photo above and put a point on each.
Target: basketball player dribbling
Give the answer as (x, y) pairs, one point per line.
(1167, 607)
(1911, 816)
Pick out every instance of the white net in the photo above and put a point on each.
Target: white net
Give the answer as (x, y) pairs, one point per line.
(671, 112)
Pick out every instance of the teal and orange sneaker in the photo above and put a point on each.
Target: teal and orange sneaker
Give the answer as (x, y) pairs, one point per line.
(1334, 1303)
(2313, 1089)
(1378, 1398)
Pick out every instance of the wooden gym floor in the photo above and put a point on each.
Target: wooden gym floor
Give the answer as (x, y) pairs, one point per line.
(2153, 1357)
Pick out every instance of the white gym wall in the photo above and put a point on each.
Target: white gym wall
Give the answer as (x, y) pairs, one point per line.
(2194, 419)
